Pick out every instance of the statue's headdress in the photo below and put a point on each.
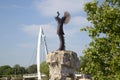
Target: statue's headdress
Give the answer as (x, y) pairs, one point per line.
(67, 15)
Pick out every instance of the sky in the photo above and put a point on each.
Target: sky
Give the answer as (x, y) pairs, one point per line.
(20, 21)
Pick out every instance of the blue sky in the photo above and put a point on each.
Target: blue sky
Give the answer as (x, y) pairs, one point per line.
(19, 26)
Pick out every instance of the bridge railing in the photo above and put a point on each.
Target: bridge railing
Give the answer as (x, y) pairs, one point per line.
(32, 75)
(29, 75)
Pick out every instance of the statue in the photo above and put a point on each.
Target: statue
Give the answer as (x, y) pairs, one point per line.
(64, 20)
(62, 63)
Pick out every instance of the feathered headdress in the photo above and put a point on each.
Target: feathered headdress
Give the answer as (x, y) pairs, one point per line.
(67, 15)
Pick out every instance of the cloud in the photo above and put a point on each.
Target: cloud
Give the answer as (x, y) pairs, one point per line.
(18, 6)
(76, 24)
(72, 28)
(26, 45)
(33, 29)
(79, 21)
(72, 33)
(50, 7)
(13, 6)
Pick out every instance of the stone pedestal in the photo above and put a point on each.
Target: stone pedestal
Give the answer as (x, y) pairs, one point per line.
(62, 64)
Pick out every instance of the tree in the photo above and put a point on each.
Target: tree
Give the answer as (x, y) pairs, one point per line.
(32, 69)
(83, 62)
(23, 70)
(44, 68)
(5, 70)
(8, 71)
(17, 69)
(103, 53)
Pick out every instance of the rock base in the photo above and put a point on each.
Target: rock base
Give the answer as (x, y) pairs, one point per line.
(62, 64)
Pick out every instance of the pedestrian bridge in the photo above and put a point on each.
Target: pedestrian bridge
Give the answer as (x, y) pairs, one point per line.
(29, 76)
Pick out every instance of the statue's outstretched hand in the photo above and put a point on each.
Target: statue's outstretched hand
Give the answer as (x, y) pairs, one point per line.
(58, 13)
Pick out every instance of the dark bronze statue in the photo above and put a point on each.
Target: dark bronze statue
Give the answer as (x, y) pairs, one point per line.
(64, 20)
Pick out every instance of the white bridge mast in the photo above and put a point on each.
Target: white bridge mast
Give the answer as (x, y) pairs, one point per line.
(41, 37)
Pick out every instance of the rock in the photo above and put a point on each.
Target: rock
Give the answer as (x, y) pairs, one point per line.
(62, 64)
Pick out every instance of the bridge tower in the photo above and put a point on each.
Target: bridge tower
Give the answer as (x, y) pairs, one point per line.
(41, 39)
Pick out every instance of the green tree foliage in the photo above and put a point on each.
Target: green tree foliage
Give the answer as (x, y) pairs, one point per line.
(32, 69)
(17, 69)
(44, 68)
(102, 57)
(5, 70)
(83, 62)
